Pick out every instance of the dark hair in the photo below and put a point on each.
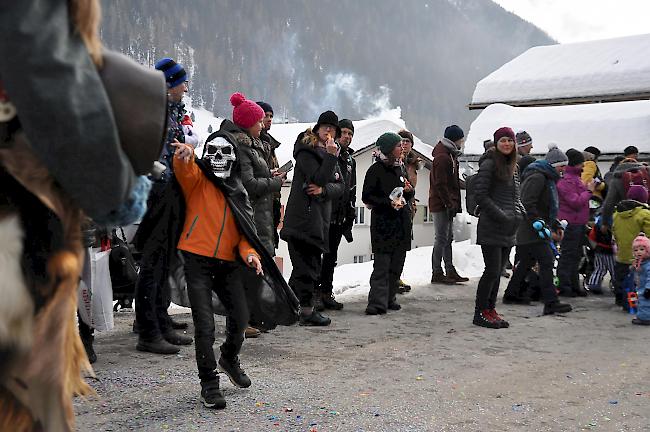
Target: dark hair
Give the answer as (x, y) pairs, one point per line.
(505, 165)
(630, 150)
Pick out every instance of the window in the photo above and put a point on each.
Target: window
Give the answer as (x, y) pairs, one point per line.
(428, 217)
(360, 216)
(358, 259)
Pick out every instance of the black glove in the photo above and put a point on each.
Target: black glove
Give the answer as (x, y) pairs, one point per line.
(451, 212)
(348, 237)
(646, 294)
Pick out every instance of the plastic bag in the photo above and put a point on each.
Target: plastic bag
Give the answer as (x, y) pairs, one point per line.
(95, 299)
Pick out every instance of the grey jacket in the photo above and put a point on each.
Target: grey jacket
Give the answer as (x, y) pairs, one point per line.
(65, 111)
(616, 189)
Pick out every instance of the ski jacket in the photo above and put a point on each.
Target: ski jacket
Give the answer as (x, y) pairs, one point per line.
(573, 197)
(444, 184)
(630, 219)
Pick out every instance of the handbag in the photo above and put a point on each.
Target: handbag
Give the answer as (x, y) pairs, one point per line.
(124, 271)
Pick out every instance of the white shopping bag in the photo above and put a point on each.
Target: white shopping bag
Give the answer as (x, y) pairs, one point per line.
(95, 300)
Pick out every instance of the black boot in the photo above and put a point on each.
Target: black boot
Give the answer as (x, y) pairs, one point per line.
(211, 395)
(175, 338)
(556, 307)
(314, 319)
(90, 351)
(156, 345)
(235, 373)
(329, 302)
(177, 325)
(318, 301)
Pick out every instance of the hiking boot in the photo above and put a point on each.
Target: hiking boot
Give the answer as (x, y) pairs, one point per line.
(315, 319)
(484, 319)
(157, 345)
(394, 306)
(440, 278)
(453, 274)
(330, 302)
(556, 307)
(251, 332)
(211, 396)
(498, 318)
(318, 302)
(371, 310)
(175, 338)
(177, 325)
(234, 372)
(515, 300)
(90, 351)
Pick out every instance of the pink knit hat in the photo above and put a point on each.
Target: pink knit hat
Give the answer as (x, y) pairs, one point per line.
(642, 240)
(245, 112)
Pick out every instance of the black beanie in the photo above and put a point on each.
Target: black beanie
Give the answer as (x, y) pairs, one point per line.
(630, 150)
(593, 150)
(454, 133)
(346, 123)
(266, 107)
(575, 157)
(330, 118)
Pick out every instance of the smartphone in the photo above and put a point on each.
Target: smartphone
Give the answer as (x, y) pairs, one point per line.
(286, 167)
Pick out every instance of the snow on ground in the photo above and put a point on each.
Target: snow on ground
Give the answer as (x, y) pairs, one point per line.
(594, 68)
(352, 281)
(608, 126)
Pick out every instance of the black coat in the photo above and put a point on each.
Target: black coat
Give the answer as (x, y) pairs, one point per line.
(500, 206)
(343, 209)
(307, 218)
(260, 185)
(537, 199)
(390, 229)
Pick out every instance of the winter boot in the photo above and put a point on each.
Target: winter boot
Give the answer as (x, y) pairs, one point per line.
(639, 321)
(177, 325)
(90, 351)
(453, 274)
(556, 307)
(498, 318)
(371, 310)
(314, 319)
(211, 396)
(175, 338)
(484, 319)
(403, 287)
(235, 373)
(440, 278)
(394, 306)
(329, 302)
(251, 332)
(156, 345)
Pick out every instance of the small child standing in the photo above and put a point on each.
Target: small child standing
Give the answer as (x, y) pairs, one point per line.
(641, 251)
(603, 258)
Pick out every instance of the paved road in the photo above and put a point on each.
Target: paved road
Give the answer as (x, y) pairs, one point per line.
(424, 368)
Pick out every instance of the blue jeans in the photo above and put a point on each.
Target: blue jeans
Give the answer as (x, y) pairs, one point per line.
(444, 229)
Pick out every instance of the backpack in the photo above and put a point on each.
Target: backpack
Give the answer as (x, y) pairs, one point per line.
(470, 196)
(123, 269)
(637, 176)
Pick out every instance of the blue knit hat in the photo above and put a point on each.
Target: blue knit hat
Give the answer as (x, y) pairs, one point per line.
(174, 73)
(454, 133)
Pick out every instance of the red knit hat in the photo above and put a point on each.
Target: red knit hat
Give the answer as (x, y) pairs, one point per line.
(245, 112)
(503, 132)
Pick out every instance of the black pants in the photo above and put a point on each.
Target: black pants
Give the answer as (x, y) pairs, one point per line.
(85, 331)
(494, 258)
(571, 250)
(329, 259)
(384, 279)
(151, 302)
(528, 255)
(620, 272)
(306, 262)
(205, 275)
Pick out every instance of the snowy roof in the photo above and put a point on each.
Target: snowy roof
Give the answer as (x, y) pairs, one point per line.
(609, 126)
(595, 71)
(365, 132)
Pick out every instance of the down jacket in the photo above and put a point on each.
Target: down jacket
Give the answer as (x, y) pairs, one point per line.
(307, 218)
(630, 219)
(573, 197)
(499, 202)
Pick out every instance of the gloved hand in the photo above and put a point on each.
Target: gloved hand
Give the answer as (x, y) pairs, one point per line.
(646, 294)
(451, 212)
(542, 230)
(348, 236)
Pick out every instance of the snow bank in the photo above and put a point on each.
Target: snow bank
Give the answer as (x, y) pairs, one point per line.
(351, 281)
(594, 68)
(608, 126)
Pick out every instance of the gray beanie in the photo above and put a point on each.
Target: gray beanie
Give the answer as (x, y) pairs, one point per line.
(523, 139)
(555, 156)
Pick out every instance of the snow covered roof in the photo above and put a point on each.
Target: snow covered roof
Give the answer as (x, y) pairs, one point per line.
(609, 126)
(366, 132)
(595, 71)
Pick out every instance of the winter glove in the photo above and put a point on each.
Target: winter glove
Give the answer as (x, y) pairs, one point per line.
(542, 230)
(348, 237)
(451, 212)
(646, 294)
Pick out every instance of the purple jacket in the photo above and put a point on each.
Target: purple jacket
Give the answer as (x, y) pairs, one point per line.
(574, 197)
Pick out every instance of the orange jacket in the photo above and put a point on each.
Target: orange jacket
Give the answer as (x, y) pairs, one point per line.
(210, 229)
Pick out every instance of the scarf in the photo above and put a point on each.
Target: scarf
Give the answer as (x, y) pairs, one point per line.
(449, 145)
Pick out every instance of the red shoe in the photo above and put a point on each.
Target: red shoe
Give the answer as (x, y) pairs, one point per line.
(498, 318)
(484, 318)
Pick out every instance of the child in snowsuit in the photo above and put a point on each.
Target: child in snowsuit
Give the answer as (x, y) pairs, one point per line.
(641, 251)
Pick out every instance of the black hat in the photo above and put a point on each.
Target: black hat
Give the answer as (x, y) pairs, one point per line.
(575, 157)
(630, 150)
(330, 118)
(593, 150)
(266, 107)
(454, 133)
(346, 123)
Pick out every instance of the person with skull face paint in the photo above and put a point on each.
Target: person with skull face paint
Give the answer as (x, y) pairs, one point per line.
(211, 242)
(316, 183)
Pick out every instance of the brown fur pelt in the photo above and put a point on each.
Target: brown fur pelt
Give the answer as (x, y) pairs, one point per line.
(86, 16)
(45, 377)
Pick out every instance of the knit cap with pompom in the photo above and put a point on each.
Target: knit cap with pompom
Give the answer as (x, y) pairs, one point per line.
(555, 156)
(245, 112)
(641, 240)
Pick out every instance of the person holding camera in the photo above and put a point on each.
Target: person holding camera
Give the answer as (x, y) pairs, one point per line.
(317, 182)
(387, 192)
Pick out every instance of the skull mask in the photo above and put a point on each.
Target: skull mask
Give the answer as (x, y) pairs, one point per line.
(221, 156)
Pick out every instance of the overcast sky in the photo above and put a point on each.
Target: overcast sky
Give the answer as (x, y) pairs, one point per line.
(581, 20)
